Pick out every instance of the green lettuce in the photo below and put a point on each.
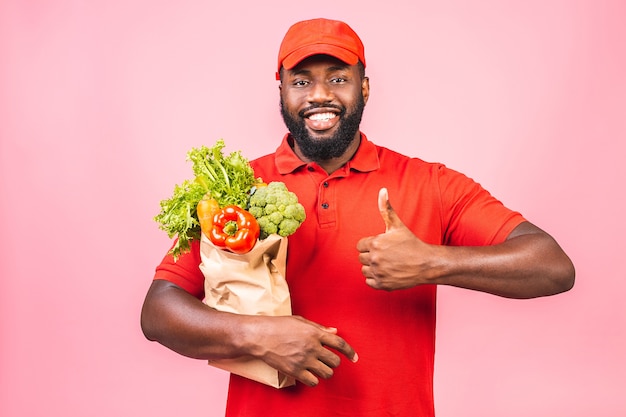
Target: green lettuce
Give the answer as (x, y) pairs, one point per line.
(226, 178)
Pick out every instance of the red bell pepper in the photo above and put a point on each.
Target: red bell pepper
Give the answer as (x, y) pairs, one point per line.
(234, 229)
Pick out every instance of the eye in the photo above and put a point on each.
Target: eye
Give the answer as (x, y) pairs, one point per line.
(338, 80)
(300, 83)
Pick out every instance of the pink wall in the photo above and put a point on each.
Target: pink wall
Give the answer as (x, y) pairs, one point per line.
(100, 100)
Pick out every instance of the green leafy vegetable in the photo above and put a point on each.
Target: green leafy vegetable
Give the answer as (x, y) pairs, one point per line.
(226, 178)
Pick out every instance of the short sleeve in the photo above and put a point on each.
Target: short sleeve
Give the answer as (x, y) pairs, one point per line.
(185, 271)
(472, 216)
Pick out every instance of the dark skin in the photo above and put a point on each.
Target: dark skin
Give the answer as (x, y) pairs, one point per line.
(528, 264)
(330, 84)
(291, 344)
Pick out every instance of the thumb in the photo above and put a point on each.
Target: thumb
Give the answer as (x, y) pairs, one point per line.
(386, 211)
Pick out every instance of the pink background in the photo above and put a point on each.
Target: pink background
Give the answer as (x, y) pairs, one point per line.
(100, 100)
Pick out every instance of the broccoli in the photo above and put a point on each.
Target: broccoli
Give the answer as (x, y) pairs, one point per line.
(276, 209)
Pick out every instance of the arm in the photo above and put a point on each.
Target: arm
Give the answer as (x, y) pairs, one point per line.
(528, 264)
(293, 345)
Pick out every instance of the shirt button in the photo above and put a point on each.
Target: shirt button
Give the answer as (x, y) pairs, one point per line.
(311, 169)
(325, 184)
(324, 205)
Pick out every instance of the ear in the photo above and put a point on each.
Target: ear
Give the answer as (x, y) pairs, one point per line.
(365, 88)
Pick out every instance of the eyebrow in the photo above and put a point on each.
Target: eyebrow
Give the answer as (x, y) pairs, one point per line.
(303, 71)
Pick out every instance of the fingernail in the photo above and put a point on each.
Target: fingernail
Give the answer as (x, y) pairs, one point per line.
(355, 357)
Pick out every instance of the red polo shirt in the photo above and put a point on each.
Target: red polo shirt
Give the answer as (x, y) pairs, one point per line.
(393, 332)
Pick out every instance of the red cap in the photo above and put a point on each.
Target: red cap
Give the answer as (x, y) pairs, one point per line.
(320, 36)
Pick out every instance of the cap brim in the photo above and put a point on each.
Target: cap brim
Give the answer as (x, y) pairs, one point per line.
(297, 56)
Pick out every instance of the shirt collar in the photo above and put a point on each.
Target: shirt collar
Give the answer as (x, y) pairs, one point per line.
(365, 159)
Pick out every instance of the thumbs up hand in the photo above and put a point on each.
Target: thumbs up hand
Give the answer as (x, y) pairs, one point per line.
(395, 259)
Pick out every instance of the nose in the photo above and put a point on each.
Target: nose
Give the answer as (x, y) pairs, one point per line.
(320, 93)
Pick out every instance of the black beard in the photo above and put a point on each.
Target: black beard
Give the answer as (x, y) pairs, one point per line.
(333, 147)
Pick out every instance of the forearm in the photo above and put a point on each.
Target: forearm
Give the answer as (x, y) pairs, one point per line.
(184, 324)
(528, 264)
(290, 344)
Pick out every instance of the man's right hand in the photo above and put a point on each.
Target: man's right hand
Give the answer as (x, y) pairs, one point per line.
(297, 347)
(293, 345)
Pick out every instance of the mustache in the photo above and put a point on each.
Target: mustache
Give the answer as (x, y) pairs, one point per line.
(340, 109)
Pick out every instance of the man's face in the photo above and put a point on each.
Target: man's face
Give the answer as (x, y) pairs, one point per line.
(322, 101)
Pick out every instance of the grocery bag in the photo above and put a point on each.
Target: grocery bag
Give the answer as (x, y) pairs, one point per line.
(251, 283)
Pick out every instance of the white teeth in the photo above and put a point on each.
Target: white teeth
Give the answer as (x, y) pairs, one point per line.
(322, 116)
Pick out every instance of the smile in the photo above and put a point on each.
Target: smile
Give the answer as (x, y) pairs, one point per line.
(322, 117)
(322, 121)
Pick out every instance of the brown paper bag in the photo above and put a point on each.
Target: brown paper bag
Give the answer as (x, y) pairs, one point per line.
(250, 283)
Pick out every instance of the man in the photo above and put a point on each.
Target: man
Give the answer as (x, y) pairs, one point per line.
(362, 273)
